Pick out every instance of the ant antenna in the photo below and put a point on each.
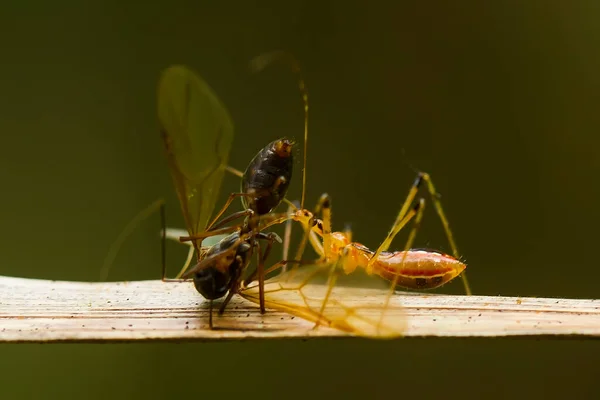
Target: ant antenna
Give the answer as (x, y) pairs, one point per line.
(407, 162)
(258, 64)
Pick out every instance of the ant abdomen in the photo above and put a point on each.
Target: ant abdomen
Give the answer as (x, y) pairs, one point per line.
(268, 176)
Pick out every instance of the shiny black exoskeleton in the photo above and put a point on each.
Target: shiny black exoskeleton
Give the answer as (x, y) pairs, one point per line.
(214, 281)
(264, 186)
(268, 176)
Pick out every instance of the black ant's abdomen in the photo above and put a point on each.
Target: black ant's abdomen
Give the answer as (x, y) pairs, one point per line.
(268, 176)
(211, 283)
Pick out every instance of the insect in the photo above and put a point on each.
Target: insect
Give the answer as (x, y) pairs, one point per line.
(264, 185)
(411, 268)
(182, 98)
(330, 304)
(197, 133)
(295, 291)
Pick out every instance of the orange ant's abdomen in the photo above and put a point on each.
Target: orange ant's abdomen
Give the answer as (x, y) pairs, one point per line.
(421, 269)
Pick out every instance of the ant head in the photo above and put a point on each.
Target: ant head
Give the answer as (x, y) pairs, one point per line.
(305, 217)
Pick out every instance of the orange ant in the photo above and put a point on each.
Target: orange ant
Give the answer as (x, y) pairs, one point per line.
(409, 268)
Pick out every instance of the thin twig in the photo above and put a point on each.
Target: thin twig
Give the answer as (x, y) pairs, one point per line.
(34, 310)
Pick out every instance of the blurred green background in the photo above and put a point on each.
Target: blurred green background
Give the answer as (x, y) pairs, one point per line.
(498, 101)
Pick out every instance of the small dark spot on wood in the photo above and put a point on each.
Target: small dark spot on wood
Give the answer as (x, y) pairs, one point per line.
(130, 325)
(479, 315)
(113, 328)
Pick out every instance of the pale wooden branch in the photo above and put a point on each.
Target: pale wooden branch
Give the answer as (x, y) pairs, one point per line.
(54, 311)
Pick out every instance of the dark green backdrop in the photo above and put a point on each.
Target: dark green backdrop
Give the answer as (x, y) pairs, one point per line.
(499, 101)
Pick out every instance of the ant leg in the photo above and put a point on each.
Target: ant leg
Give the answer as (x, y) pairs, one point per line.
(331, 279)
(195, 247)
(437, 204)
(344, 259)
(270, 237)
(236, 280)
(274, 267)
(348, 232)
(234, 286)
(324, 208)
(232, 217)
(205, 234)
(193, 239)
(234, 171)
(310, 235)
(287, 238)
(398, 222)
(260, 269)
(200, 237)
(416, 212)
(164, 251)
(421, 177)
(232, 197)
(398, 225)
(163, 241)
(323, 228)
(205, 262)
